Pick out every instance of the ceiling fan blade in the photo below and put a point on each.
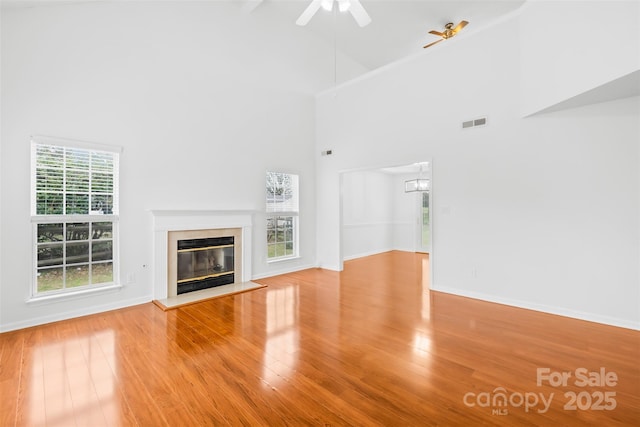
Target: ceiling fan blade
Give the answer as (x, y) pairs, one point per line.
(359, 14)
(309, 12)
(431, 44)
(460, 26)
(437, 33)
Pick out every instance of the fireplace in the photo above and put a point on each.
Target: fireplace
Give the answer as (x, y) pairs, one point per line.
(204, 263)
(203, 259)
(173, 226)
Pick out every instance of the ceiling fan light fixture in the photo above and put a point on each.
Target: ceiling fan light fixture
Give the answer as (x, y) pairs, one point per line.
(344, 5)
(353, 6)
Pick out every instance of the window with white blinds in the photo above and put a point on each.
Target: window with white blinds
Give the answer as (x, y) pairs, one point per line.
(282, 194)
(74, 211)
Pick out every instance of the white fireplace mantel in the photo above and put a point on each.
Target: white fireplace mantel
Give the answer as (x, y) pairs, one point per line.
(165, 221)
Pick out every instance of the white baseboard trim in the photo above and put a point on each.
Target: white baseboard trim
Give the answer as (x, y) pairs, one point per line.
(362, 255)
(74, 313)
(559, 311)
(332, 267)
(405, 249)
(282, 271)
(381, 251)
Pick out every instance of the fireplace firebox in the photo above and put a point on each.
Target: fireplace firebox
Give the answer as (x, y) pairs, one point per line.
(204, 263)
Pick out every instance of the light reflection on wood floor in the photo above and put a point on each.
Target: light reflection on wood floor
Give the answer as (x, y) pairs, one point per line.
(367, 346)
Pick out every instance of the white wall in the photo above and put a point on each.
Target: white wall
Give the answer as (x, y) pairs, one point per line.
(367, 213)
(1, 234)
(202, 98)
(571, 47)
(406, 230)
(539, 212)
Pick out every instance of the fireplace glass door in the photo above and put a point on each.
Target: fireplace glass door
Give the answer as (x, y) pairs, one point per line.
(205, 263)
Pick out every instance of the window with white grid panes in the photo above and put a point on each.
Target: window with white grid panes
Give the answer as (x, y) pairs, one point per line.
(282, 207)
(74, 211)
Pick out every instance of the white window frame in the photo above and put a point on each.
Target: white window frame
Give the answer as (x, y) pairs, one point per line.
(283, 211)
(91, 218)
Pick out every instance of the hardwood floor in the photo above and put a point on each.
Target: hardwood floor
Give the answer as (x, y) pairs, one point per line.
(368, 346)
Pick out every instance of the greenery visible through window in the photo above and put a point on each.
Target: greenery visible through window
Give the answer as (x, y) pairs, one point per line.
(282, 215)
(74, 213)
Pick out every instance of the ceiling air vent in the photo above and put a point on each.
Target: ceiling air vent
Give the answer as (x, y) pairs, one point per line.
(475, 122)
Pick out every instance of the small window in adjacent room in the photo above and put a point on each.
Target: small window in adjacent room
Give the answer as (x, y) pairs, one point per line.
(282, 215)
(74, 212)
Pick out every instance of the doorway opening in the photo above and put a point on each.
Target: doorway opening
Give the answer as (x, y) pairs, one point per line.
(385, 209)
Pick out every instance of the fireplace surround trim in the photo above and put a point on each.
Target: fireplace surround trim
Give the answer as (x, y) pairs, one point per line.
(165, 221)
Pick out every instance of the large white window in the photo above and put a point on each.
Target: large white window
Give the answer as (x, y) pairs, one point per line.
(282, 215)
(74, 212)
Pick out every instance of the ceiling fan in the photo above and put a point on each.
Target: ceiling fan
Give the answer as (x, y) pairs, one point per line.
(357, 11)
(449, 31)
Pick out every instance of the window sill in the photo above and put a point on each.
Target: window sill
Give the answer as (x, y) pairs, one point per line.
(43, 299)
(277, 260)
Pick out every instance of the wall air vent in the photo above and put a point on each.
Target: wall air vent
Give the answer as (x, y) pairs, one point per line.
(475, 122)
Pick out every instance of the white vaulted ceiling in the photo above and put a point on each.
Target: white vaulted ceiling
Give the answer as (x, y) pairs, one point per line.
(398, 30)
